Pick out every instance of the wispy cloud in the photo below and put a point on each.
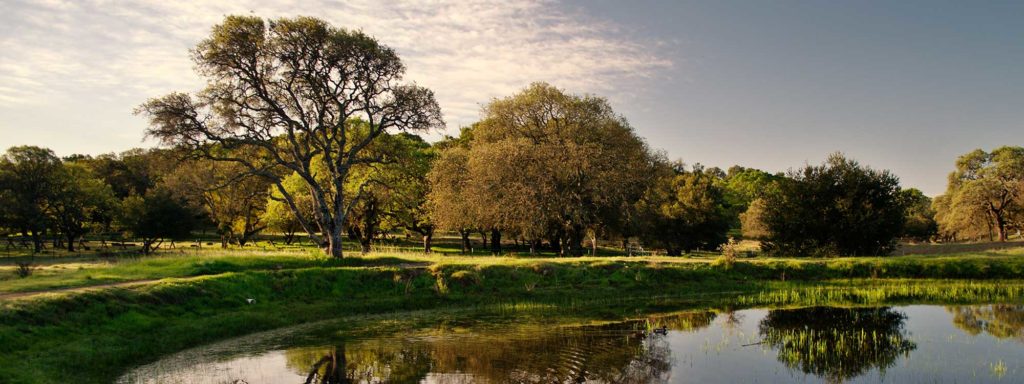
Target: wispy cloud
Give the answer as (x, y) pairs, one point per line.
(467, 52)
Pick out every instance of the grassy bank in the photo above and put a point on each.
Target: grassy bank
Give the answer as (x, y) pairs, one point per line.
(94, 336)
(91, 270)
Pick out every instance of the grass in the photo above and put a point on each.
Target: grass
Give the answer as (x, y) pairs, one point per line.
(93, 336)
(89, 270)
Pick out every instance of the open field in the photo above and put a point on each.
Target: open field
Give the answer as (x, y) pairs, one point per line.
(53, 330)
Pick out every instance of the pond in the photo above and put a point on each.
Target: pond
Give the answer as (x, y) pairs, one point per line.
(902, 344)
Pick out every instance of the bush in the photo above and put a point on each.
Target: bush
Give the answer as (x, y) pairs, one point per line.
(839, 208)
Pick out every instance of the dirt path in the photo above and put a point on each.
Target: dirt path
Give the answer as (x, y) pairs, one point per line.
(19, 295)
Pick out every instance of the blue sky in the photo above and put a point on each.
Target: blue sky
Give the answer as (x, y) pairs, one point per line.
(905, 86)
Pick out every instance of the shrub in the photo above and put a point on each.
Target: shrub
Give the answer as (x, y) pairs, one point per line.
(24, 269)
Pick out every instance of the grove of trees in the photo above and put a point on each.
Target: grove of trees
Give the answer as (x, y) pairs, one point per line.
(306, 130)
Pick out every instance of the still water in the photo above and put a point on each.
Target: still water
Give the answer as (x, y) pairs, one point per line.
(909, 344)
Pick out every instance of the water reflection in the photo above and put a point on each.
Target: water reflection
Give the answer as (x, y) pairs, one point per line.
(837, 344)
(630, 352)
(819, 344)
(1002, 321)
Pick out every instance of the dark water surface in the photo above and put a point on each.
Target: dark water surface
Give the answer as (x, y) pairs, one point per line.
(910, 344)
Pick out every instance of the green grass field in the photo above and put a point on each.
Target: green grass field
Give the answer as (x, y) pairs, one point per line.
(54, 328)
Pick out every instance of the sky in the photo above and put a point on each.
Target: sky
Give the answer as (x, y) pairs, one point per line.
(900, 85)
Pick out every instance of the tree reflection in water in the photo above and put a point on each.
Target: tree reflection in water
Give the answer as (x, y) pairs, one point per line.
(1002, 321)
(837, 344)
(613, 353)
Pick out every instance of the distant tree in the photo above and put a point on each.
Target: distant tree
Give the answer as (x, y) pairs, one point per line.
(155, 217)
(408, 205)
(288, 89)
(132, 172)
(279, 217)
(837, 208)
(231, 198)
(920, 217)
(741, 186)
(685, 211)
(29, 177)
(447, 202)
(985, 194)
(78, 199)
(752, 223)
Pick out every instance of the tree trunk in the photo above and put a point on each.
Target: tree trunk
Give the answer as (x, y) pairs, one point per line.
(556, 242)
(465, 241)
(427, 239)
(495, 242)
(37, 242)
(71, 243)
(334, 243)
(576, 241)
(483, 240)
(366, 243)
(1000, 227)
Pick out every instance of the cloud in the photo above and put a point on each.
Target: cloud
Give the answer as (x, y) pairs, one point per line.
(467, 52)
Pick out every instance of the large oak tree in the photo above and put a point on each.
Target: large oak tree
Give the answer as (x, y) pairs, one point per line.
(287, 89)
(985, 195)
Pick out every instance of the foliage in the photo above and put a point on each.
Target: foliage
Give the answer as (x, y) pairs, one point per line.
(446, 203)
(392, 195)
(742, 186)
(837, 208)
(752, 223)
(685, 211)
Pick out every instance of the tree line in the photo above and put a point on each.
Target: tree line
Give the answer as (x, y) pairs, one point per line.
(308, 130)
